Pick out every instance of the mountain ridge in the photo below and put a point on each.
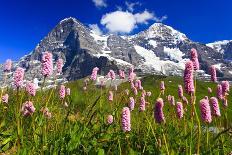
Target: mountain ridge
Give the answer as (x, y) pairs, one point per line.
(160, 49)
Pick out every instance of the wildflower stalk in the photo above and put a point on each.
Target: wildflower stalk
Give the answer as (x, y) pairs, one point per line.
(207, 136)
(197, 118)
(165, 142)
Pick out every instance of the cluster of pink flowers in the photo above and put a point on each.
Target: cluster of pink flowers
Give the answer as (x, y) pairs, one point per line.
(31, 88)
(158, 111)
(213, 73)
(28, 108)
(5, 98)
(126, 119)
(180, 91)
(188, 77)
(194, 59)
(219, 92)
(215, 106)
(111, 75)
(62, 92)
(132, 103)
(138, 84)
(18, 77)
(205, 111)
(132, 75)
(59, 65)
(225, 87)
(94, 73)
(121, 74)
(142, 104)
(110, 119)
(111, 96)
(47, 64)
(8, 65)
(179, 110)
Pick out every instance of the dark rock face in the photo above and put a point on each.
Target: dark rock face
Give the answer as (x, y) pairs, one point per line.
(228, 51)
(83, 50)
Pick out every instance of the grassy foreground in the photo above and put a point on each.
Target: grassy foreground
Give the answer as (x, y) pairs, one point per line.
(81, 128)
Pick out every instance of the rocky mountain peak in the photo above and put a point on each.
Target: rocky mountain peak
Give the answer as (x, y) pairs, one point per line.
(158, 49)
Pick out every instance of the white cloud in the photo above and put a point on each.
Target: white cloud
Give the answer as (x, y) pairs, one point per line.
(100, 3)
(130, 6)
(161, 19)
(95, 28)
(125, 22)
(119, 21)
(144, 17)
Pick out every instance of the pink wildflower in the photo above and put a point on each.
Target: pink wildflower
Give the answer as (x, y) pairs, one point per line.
(18, 77)
(8, 65)
(132, 103)
(31, 88)
(62, 92)
(94, 73)
(126, 123)
(121, 74)
(142, 104)
(213, 73)
(158, 111)
(225, 87)
(47, 64)
(111, 74)
(205, 111)
(215, 106)
(180, 91)
(5, 98)
(59, 65)
(179, 110)
(188, 77)
(219, 92)
(28, 108)
(194, 59)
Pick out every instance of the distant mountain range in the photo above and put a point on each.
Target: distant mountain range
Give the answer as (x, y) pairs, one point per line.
(158, 50)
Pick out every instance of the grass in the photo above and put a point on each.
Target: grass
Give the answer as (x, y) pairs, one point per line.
(81, 127)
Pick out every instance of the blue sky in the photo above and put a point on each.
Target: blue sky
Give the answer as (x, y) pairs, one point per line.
(25, 22)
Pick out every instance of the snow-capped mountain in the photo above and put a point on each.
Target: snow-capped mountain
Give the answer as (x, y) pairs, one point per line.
(158, 50)
(224, 47)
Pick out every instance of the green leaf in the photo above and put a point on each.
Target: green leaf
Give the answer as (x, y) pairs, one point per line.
(6, 140)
